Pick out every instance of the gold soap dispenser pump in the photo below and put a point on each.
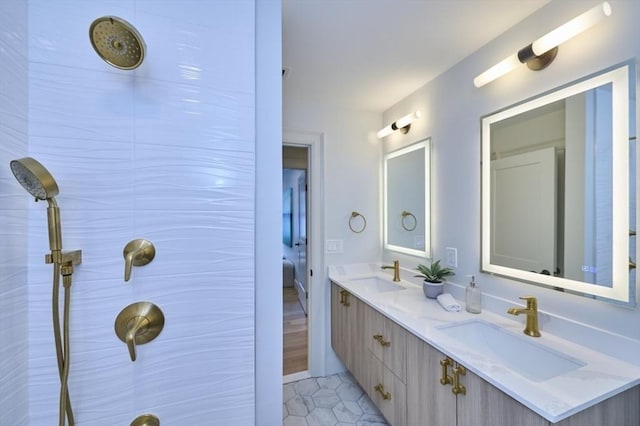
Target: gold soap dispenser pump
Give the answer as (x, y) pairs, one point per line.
(473, 297)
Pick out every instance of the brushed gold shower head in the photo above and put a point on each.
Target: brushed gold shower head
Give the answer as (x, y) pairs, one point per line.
(34, 178)
(117, 42)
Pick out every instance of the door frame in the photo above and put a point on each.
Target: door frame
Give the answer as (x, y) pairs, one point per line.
(317, 312)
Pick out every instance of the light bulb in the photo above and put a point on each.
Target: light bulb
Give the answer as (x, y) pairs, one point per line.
(571, 28)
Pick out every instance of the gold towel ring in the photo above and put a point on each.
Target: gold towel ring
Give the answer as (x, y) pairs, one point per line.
(364, 222)
(405, 214)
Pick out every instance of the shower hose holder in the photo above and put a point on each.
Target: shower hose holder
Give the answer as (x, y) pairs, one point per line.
(67, 260)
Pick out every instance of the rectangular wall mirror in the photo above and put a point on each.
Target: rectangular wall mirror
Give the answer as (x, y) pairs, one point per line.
(406, 200)
(559, 188)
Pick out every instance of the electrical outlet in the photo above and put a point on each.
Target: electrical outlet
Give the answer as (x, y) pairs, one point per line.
(451, 257)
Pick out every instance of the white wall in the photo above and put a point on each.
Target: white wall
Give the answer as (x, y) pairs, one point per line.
(13, 214)
(268, 266)
(452, 108)
(350, 182)
(166, 152)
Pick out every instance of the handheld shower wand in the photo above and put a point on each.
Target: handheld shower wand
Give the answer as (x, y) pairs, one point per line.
(37, 180)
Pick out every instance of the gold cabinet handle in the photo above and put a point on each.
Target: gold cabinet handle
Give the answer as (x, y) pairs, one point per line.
(344, 298)
(458, 388)
(446, 378)
(380, 389)
(380, 339)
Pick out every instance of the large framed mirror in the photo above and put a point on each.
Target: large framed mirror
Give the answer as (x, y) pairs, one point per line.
(406, 200)
(559, 188)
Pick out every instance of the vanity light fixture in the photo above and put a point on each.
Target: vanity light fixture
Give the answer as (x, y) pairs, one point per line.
(403, 124)
(539, 54)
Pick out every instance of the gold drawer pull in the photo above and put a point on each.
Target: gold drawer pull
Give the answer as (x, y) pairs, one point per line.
(381, 340)
(458, 388)
(380, 389)
(446, 378)
(344, 298)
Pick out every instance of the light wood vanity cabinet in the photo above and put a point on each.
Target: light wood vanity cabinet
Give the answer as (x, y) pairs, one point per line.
(432, 403)
(403, 378)
(347, 332)
(620, 410)
(387, 341)
(385, 381)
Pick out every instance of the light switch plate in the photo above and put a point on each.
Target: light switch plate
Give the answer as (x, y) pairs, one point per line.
(451, 257)
(334, 246)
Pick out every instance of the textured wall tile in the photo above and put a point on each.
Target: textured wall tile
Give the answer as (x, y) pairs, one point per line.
(147, 154)
(59, 31)
(91, 174)
(193, 41)
(189, 114)
(13, 216)
(72, 103)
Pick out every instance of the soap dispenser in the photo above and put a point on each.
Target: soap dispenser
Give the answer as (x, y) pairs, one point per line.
(473, 297)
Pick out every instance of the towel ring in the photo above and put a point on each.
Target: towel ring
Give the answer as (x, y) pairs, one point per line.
(406, 214)
(364, 222)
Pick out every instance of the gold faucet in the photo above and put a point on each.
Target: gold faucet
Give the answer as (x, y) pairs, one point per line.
(396, 270)
(531, 329)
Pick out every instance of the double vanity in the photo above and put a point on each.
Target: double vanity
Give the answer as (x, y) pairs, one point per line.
(422, 365)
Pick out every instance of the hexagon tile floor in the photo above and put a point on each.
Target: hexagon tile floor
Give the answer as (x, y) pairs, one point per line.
(329, 401)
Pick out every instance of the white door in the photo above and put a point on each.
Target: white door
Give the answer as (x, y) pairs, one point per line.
(523, 211)
(301, 244)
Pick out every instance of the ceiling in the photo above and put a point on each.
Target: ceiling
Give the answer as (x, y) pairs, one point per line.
(369, 54)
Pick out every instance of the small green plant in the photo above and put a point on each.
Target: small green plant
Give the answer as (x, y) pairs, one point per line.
(434, 273)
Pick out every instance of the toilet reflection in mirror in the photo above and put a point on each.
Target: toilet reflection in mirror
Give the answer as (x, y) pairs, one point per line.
(406, 200)
(558, 182)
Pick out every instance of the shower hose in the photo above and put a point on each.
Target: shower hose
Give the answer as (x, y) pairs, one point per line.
(62, 346)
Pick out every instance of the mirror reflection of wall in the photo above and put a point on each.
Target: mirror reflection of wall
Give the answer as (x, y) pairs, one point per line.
(551, 197)
(406, 199)
(558, 187)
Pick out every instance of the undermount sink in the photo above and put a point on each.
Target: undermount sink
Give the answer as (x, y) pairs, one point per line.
(377, 284)
(520, 354)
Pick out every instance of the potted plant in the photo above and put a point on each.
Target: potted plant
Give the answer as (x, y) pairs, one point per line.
(433, 276)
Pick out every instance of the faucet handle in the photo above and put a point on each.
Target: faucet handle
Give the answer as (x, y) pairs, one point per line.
(137, 253)
(138, 324)
(532, 302)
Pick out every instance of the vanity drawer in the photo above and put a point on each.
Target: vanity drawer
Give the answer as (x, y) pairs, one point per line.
(387, 341)
(387, 392)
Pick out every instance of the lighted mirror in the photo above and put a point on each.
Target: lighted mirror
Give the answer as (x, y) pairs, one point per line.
(406, 200)
(558, 188)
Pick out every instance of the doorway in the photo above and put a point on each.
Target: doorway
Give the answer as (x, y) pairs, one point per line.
(295, 160)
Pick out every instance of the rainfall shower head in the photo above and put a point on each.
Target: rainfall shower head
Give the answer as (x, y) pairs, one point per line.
(34, 178)
(117, 42)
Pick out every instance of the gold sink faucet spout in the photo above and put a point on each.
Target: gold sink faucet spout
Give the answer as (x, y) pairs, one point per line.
(531, 311)
(396, 270)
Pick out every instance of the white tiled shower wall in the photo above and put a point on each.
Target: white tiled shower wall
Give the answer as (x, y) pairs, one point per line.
(166, 153)
(13, 215)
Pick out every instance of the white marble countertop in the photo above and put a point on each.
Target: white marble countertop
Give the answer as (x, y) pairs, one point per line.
(599, 377)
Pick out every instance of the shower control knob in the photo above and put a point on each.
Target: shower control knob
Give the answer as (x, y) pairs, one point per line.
(137, 253)
(137, 324)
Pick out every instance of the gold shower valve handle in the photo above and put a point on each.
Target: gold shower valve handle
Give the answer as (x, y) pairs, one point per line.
(137, 253)
(137, 324)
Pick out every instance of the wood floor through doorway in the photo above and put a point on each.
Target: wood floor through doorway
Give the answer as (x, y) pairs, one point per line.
(295, 333)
